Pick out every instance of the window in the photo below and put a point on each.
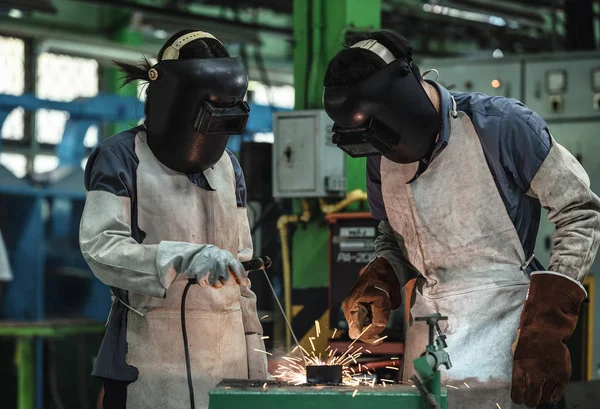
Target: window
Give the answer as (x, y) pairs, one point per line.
(12, 81)
(63, 78)
(14, 162)
(278, 96)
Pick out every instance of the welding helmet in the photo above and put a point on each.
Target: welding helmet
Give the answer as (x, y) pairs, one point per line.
(387, 113)
(194, 106)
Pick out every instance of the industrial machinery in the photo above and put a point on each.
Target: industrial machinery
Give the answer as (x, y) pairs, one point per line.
(564, 89)
(426, 393)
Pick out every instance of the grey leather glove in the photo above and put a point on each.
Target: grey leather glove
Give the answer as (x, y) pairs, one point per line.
(216, 267)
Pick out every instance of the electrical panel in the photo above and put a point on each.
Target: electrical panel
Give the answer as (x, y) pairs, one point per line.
(490, 77)
(305, 161)
(565, 88)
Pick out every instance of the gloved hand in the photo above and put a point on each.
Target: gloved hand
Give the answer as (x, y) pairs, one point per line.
(377, 290)
(215, 267)
(542, 362)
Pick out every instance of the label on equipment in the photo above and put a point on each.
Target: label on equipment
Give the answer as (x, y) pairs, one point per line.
(362, 257)
(356, 245)
(357, 232)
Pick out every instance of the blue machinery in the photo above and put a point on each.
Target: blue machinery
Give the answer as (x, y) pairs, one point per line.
(39, 219)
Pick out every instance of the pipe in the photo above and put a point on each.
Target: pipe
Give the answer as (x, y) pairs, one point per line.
(304, 217)
(356, 195)
(282, 224)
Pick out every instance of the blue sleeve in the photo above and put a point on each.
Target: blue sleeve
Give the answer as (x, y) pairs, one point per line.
(524, 143)
(374, 188)
(240, 182)
(112, 165)
(105, 171)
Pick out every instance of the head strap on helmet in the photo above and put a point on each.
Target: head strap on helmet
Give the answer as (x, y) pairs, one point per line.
(375, 47)
(172, 51)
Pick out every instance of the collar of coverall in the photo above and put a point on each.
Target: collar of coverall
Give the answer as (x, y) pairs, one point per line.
(444, 136)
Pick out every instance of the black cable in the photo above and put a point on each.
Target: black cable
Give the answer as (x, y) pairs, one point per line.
(185, 342)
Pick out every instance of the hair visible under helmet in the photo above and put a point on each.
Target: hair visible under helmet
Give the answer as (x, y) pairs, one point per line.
(199, 48)
(354, 64)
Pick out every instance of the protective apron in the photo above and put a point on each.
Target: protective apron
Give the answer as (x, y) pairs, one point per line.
(459, 236)
(215, 326)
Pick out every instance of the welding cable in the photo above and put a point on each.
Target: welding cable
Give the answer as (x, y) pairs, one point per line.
(185, 342)
(259, 263)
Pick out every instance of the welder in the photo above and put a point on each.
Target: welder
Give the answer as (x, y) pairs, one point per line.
(166, 204)
(457, 180)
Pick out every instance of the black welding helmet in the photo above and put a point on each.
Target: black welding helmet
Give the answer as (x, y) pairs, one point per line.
(387, 113)
(194, 106)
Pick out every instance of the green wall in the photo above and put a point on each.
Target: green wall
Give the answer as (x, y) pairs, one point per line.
(317, 41)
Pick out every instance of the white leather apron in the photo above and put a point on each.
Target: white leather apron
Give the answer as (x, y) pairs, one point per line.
(459, 236)
(171, 207)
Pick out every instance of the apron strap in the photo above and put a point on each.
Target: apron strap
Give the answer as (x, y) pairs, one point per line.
(527, 263)
(116, 297)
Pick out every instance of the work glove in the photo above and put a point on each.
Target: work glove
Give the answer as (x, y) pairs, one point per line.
(215, 267)
(376, 292)
(542, 362)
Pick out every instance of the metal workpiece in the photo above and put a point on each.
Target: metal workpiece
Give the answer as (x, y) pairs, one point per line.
(232, 394)
(324, 374)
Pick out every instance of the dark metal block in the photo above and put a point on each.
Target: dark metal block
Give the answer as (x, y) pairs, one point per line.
(324, 374)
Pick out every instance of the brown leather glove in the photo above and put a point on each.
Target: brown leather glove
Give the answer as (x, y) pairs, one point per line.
(542, 362)
(376, 292)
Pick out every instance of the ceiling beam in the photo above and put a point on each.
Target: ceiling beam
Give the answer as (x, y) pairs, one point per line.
(44, 6)
(180, 15)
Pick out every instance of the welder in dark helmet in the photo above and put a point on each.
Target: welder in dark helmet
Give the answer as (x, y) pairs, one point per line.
(166, 203)
(457, 180)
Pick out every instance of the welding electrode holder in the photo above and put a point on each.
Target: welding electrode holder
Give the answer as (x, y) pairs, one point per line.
(434, 353)
(259, 263)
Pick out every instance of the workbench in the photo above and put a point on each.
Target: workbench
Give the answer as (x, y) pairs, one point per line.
(233, 394)
(27, 333)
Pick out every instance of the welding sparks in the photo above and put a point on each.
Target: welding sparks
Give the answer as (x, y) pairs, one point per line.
(264, 316)
(265, 386)
(498, 405)
(355, 392)
(264, 352)
(467, 385)
(293, 371)
(334, 331)
(380, 339)
(394, 358)
(265, 337)
(450, 386)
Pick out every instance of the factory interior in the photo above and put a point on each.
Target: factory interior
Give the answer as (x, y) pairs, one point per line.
(308, 202)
